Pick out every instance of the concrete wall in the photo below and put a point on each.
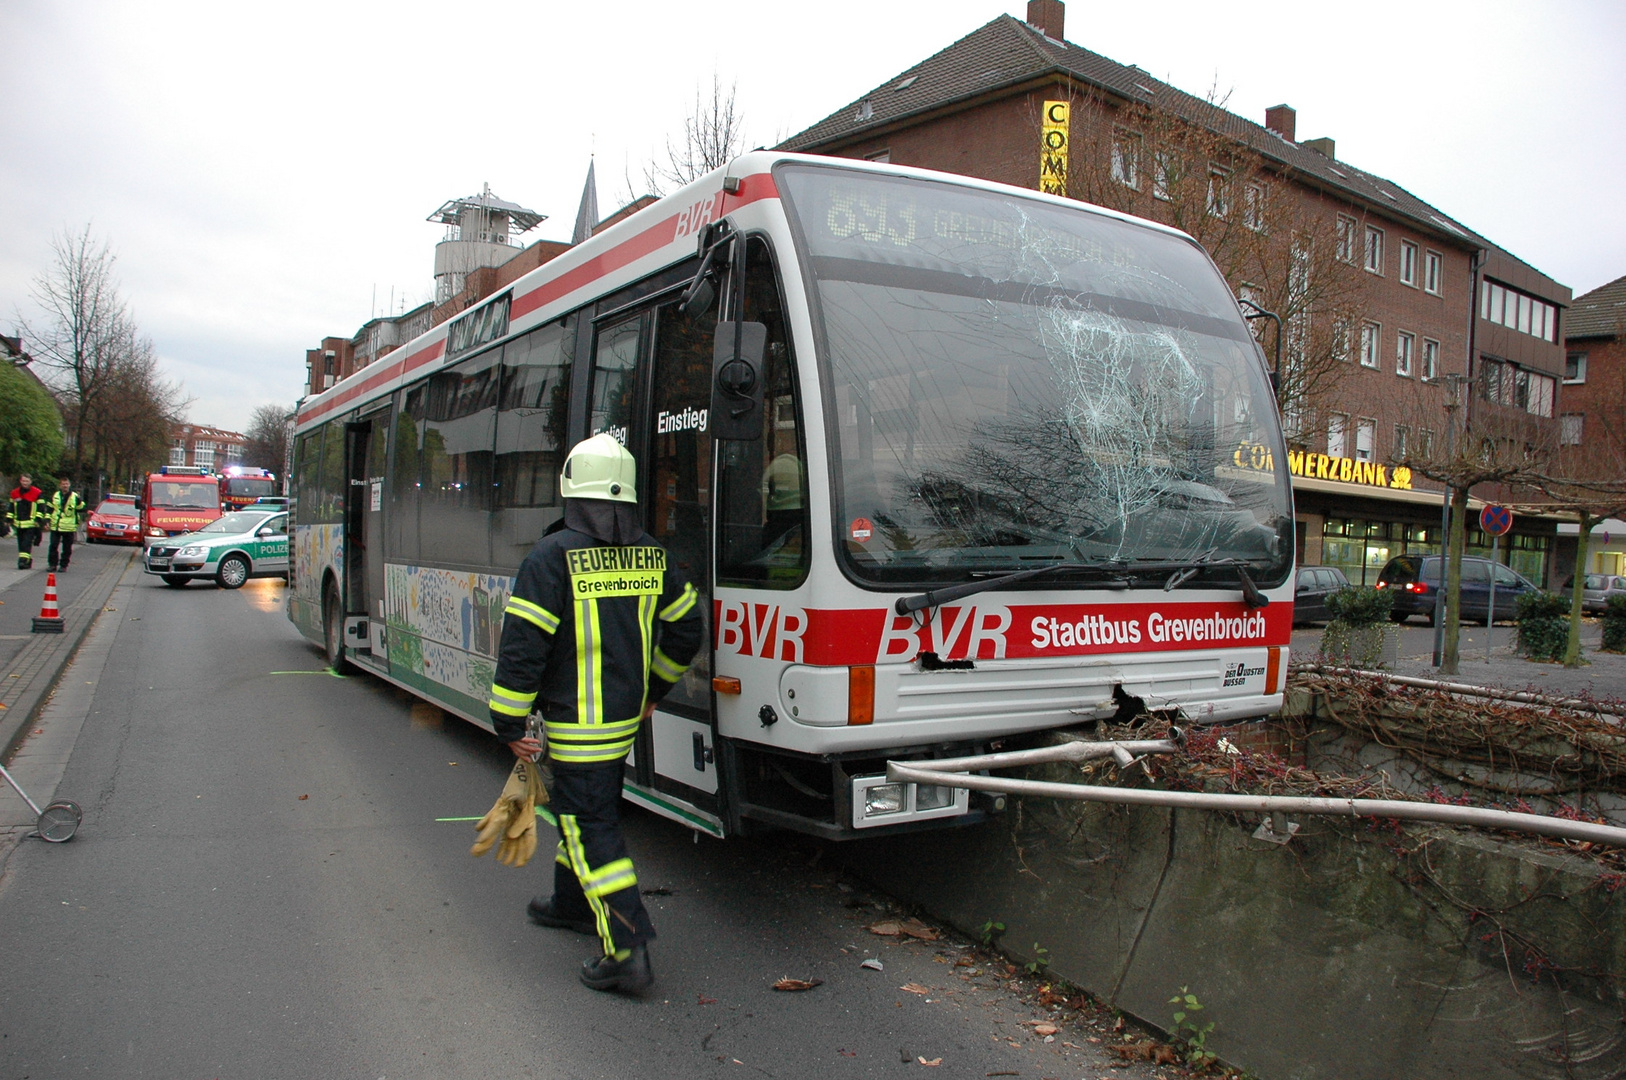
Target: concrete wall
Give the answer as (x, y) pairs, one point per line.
(1351, 953)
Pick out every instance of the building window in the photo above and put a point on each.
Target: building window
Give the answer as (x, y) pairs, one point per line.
(1163, 175)
(1402, 441)
(1371, 334)
(1405, 345)
(1570, 426)
(1433, 266)
(177, 453)
(1408, 263)
(1346, 239)
(1366, 437)
(880, 157)
(203, 454)
(1431, 360)
(234, 452)
(1219, 192)
(1342, 337)
(1374, 249)
(1536, 392)
(1126, 158)
(1425, 443)
(1575, 368)
(1253, 207)
(1336, 424)
(1517, 311)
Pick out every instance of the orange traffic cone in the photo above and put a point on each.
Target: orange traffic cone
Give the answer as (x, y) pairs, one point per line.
(49, 620)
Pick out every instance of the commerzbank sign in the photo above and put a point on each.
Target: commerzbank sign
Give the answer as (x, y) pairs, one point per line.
(1323, 467)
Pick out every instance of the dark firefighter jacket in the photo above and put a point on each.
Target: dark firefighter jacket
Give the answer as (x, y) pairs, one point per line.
(592, 633)
(25, 511)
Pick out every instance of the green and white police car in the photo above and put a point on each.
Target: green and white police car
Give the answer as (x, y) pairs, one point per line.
(231, 549)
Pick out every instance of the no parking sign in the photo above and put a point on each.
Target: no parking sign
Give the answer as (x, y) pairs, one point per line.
(1495, 520)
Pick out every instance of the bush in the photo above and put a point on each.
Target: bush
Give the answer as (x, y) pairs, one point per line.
(1359, 633)
(1544, 626)
(1614, 625)
(1356, 605)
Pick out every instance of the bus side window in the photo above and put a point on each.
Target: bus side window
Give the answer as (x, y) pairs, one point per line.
(532, 411)
(459, 435)
(615, 382)
(401, 540)
(309, 473)
(762, 505)
(330, 507)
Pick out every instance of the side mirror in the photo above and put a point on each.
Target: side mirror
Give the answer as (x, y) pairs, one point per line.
(267, 531)
(737, 381)
(139, 505)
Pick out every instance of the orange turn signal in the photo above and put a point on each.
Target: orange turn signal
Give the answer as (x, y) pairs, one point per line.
(1273, 668)
(861, 695)
(725, 684)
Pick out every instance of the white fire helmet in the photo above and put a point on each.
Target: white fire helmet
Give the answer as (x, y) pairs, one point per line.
(600, 468)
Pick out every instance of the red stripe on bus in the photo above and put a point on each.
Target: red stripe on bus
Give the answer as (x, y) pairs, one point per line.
(427, 355)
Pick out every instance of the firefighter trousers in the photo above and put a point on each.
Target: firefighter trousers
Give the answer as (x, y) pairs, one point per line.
(27, 537)
(60, 542)
(593, 878)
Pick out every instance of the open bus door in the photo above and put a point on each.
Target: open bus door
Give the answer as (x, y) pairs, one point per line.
(366, 446)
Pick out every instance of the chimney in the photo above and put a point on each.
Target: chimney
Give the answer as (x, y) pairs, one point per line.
(1047, 16)
(1282, 120)
(1323, 146)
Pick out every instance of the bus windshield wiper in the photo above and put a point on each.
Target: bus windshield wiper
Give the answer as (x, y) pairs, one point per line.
(1119, 574)
(908, 605)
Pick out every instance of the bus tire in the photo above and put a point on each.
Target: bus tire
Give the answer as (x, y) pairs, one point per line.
(333, 630)
(232, 572)
(179, 581)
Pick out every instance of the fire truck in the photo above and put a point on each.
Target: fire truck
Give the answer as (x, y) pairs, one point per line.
(241, 485)
(177, 499)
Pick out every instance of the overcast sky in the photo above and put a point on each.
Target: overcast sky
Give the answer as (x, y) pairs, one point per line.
(264, 171)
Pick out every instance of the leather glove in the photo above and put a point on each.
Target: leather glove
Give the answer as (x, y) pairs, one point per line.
(515, 798)
(519, 839)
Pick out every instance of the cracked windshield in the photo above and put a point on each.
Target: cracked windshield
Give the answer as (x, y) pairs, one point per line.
(1014, 384)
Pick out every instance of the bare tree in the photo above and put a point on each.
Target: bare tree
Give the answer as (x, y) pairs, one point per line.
(267, 446)
(713, 133)
(87, 329)
(1276, 244)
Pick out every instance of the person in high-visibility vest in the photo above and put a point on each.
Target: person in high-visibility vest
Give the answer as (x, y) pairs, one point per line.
(24, 513)
(65, 512)
(598, 628)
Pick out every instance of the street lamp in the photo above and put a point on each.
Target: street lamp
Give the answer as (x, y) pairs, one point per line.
(1453, 386)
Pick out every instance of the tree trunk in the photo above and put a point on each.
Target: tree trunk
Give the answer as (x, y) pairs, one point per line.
(1572, 647)
(1450, 654)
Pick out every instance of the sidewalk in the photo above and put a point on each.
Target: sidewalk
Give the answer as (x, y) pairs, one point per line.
(30, 663)
(1601, 676)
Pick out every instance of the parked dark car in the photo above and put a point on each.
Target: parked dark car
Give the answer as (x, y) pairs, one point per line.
(1315, 584)
(1415, 580)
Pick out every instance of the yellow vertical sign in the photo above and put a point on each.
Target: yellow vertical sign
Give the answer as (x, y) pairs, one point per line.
(1053, 149)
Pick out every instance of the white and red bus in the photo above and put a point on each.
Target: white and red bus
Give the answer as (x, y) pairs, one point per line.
(240, 485)
(952, 463)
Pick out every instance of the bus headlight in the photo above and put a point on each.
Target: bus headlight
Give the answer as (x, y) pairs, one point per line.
(933, 797)
(883, 799)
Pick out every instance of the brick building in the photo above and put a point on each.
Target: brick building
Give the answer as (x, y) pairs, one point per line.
(1593, 405)
(1425, 300)
(204, 447)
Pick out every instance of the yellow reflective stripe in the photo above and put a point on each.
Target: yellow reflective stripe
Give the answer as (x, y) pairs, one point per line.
(589, 743)
(568, 732)
(510, 702)
(611, 878)
(533, 613)
(572, 834)
(646, 629)
(560, 856)
(665, 667)
(680, 607)
(589, 664)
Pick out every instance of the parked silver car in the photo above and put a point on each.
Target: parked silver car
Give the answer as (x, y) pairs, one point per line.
(1597, 589)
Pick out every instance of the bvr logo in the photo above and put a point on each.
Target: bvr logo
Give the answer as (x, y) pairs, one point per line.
(699, 215)
(764, 630)
(953, 633)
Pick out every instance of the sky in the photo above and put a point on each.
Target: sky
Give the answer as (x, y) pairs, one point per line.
(263, 172)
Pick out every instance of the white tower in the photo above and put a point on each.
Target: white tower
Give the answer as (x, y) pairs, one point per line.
(479, 233)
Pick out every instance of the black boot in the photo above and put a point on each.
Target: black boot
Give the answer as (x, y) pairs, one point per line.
(629, 976)
(542, 913)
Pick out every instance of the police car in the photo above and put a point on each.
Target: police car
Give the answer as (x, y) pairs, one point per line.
(230, 550)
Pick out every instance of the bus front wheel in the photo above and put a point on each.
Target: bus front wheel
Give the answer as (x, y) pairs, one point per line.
(333, 630)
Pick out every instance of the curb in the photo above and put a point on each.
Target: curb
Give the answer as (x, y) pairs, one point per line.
(41, 662)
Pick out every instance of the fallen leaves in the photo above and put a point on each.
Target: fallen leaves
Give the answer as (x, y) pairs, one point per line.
(1154, 1052)
(916, 988)
(930, 1064)
(904, 928)
(704, 1000)
(797, 984)
(302, 798)
(872, 963)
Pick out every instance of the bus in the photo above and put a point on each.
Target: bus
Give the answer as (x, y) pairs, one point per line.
(177, 499)
(953, 464)
(240, 485)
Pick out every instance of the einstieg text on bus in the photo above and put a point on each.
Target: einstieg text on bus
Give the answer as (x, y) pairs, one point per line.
(951, 463)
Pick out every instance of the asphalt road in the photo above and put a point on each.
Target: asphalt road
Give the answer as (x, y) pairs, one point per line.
(261, 888)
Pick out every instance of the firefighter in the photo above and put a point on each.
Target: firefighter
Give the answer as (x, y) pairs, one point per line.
(598, 628)
(64, 513)
(26, 516)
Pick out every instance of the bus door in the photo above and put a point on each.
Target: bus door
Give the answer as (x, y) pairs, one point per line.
(366, 448)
